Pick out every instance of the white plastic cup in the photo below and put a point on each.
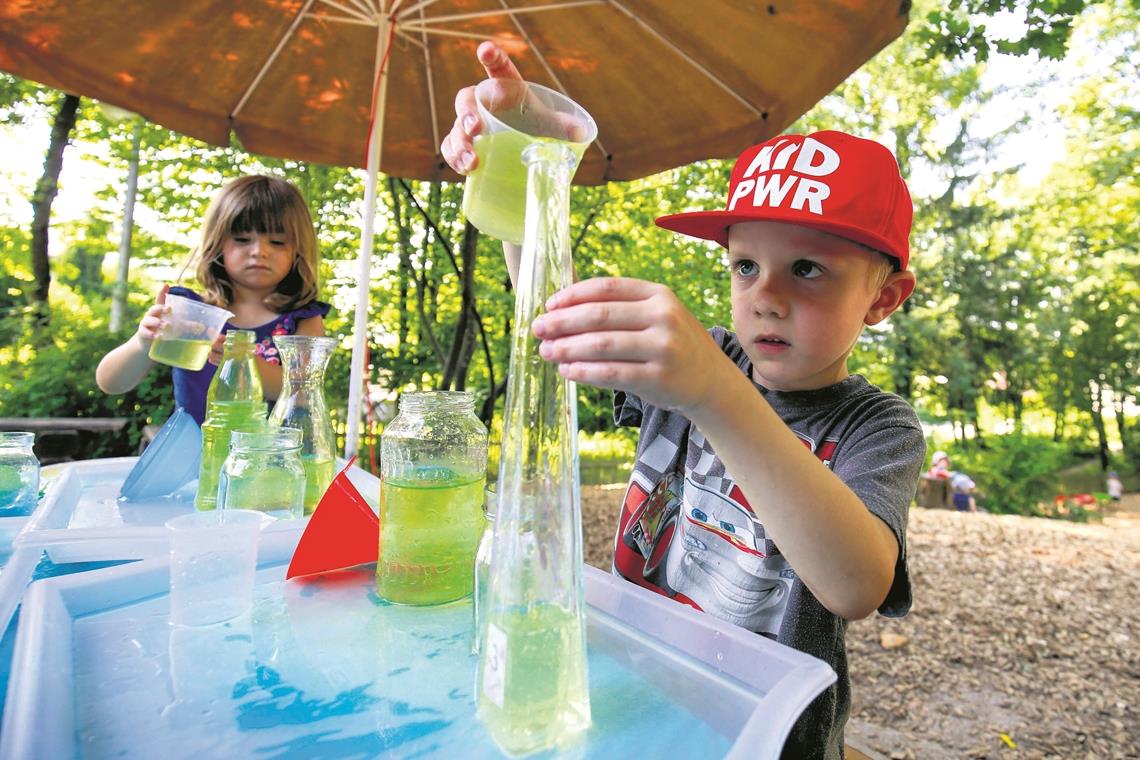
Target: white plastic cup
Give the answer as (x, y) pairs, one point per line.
(188, 333)
(514, 115)
(213, 556)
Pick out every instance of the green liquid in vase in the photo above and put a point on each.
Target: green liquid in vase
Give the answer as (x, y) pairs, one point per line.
(222, 418)
(318, 474)
(180, 352)
(533, 693)
(429, 532)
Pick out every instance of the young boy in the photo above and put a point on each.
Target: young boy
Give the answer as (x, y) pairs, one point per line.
(771, 487)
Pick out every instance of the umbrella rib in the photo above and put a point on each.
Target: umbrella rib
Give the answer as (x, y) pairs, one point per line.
(370, 23)
(506, 11)
(417, 7)
(272, 57)
(430, 88)
(542, 59)
(353, 12)
(448, 33)
(367, 10)
(688, 59)
(408, 38)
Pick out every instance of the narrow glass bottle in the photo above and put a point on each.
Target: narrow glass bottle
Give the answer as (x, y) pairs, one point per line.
(532, 689)
(301, 405)
(233, 402)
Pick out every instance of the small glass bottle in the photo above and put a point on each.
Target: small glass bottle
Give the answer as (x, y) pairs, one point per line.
(432, 471)
(264, 472)
(301, 405)
(19, 474)
(482, 573)
(233, 402)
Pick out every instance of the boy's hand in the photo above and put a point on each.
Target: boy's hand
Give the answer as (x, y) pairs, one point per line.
(153, 322)
(631, 335)
(457, 148)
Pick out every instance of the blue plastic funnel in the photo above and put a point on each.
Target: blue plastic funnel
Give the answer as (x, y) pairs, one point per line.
(169, 462)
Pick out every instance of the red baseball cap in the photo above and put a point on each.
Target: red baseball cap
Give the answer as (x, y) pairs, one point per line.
(830, 181)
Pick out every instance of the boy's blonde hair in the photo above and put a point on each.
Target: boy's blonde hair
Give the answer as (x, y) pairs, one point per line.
(263, 205)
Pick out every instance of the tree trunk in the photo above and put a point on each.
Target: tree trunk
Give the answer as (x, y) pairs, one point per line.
(46, 190)
(461, 341)
(1121, 426)
(1098, 423)
(403, 239)
(119, 300)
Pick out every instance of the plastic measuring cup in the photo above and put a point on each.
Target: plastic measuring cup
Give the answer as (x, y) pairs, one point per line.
(516, 114)
(213, 556)
(190, 329)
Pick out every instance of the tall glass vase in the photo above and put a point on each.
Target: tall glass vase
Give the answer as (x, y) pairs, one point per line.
(532, 686)
(301, 405)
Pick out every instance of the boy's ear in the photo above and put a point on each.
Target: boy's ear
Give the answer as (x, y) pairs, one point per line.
(896, 289)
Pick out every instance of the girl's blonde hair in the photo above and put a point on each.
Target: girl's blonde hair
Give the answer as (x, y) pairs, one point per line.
(263, 205)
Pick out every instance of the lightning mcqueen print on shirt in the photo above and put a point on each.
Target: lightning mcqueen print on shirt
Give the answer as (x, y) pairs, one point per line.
(697, 541)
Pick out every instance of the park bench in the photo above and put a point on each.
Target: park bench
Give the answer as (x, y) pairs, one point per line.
(58, 438)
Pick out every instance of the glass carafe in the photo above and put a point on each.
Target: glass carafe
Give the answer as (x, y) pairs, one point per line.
(532, 690)
(233, 402)
(433, 468)
(264, 472)
(301, 405)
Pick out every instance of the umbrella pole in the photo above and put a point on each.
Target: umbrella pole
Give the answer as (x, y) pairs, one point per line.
(363, 280)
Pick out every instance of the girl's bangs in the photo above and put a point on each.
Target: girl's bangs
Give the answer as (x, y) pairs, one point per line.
(262, 213)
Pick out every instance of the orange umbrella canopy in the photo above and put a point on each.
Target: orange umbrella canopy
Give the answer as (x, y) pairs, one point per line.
(669, 82)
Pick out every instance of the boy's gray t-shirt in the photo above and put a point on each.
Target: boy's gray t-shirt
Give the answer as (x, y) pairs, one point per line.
(687, 531)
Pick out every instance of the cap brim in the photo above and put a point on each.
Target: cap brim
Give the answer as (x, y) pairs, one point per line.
(713, 225)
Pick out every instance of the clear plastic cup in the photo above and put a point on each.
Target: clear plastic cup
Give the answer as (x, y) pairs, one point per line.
(190, 329)
(213, 556)
(516, 114)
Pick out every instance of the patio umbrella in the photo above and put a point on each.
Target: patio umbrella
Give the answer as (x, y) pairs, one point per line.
(371, 82)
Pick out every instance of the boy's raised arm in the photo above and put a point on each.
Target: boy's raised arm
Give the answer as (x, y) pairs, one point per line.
(637, 336)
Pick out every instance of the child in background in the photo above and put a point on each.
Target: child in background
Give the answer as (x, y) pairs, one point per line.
(963, 487)
(1114, 487)
(939, 465)
(257, 258)
(771, 488)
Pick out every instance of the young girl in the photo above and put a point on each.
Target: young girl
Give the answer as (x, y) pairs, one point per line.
(258, 259)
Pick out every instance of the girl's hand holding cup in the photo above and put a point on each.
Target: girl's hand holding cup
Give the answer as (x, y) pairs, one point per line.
(153, 321)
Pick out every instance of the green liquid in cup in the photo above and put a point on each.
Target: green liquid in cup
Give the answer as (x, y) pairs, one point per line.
(429, 531)
(541, 672)
(318, 474)
(180, 352)
(494, 198)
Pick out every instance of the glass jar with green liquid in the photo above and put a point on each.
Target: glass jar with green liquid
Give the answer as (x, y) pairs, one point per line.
(263, 472)
(233, 402)
(433, 469)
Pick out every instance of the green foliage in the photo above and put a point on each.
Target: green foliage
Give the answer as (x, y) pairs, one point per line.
(964, 28)
(1015, 474)
(56, 378)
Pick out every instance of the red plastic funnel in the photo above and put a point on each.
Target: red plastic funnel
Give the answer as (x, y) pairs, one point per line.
(342, 532)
